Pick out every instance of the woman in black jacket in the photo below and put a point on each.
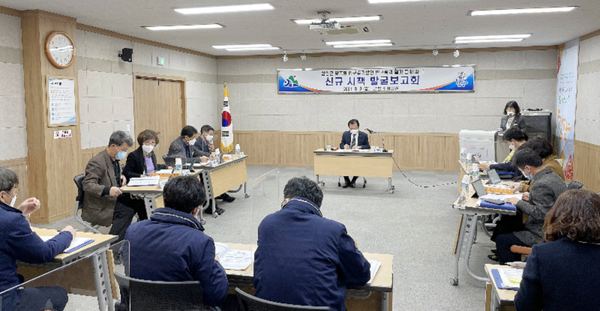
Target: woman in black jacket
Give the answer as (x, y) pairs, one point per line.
(512, 117)
(140, 163)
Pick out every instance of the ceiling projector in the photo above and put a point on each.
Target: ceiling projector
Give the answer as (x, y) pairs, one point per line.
(325, 25)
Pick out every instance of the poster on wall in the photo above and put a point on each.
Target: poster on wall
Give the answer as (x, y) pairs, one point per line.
(458, 78)
(62, 107)
(566, 104)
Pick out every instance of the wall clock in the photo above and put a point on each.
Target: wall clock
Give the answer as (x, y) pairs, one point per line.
(60, 49)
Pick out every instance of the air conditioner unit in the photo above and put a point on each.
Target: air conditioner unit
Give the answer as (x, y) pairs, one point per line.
(349, 29)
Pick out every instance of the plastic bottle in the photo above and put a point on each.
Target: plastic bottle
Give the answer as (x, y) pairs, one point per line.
(178, 164)
(468, 162)
(237, 151)
(463, 155)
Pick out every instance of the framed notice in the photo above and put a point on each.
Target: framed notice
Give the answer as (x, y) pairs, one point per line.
(62, 106)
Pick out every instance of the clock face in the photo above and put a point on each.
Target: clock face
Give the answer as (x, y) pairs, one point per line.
(60, 50)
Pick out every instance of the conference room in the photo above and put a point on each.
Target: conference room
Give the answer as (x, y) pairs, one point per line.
(310, 155)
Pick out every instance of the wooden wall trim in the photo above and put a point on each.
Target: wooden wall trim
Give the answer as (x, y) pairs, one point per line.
(590, 35)
(49, 15)
(140, 40)
(19, 166)
(9, 11)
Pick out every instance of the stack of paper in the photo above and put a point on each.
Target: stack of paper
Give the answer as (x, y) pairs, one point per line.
(508, 278)
(375, 265)
(76, 244)
(143, 181)
(236, 259)
(221, 249)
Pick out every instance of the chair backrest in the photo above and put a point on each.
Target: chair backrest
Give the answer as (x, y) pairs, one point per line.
(574, 185)
(251, 303)
(164, 296)
(169, 160)
(79, 182)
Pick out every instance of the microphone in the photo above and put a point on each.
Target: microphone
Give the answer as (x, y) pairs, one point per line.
(382, 143)
(192, 166)
(370, 130)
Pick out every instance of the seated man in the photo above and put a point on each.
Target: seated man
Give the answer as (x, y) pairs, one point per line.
(184, 146)
(546, 188)
(172, 246)
(514, 137)
(304, 258)
(354, 139)
(18, 242)
(205, 144)
(103, 180)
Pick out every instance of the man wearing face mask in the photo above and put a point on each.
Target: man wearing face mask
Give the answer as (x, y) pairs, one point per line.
(205, 144)
(103, 180)
(19, 242)
(184, 147)
(514, 138)
(512, 117)
(353, 139)
(546, 188)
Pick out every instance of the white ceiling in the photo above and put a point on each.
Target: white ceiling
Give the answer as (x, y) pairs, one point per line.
(410, 25)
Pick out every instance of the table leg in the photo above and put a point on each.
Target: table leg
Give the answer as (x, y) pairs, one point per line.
(461, 237)
(390, 186)
(384, 301)
(107, 284)
(99, 278)
(472, 227)
(246, 195)
(150, 204)
(209, 195)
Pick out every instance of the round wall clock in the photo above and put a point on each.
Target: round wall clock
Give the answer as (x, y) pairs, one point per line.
(60, 49)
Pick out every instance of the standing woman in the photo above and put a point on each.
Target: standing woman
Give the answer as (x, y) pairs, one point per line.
(140, 163)
(512, 117)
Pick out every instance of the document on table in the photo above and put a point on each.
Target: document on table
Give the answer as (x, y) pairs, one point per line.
(143, 181)
(502, 196)
(508, 278)
(375, 265)
(344, 150)
(233, 259)
(76, 244)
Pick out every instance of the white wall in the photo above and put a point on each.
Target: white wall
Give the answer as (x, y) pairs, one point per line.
(529, 77)
(587, 123)
(106, 84)
(13, 133)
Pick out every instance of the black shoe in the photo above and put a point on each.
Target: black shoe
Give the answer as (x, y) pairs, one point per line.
(493, 257)
(346, 185)
(220, 211)
(353, 185)
(494, 251)
(227, 198)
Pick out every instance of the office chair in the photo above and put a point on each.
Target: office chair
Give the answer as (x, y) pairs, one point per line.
(340, 181)
(251, 303)
(160, 296)
(574, 185)
(79, 203)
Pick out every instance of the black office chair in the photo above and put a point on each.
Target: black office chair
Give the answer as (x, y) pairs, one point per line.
(79, 203)
(160, 296)
(574, 185)
(251, 303)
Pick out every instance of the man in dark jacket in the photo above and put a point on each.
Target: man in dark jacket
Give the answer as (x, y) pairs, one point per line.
(205, 144)
(546, 188)
(303, 258)
(172, 246)
(515, 138)
(18, 242)
(184, 146)
(354, 139)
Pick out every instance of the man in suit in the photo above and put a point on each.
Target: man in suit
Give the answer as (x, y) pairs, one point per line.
(103, 180)
(303, 258)
(354, 139)
(545, 190)
(205, 144)
(184, 146)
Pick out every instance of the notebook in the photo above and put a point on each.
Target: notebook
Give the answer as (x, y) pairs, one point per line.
(76, 244)
(143, 181)
(233, 259)
(508, 278)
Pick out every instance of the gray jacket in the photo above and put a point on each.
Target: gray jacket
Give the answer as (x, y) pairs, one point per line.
(518, 121)
(546, 188)
(177, 150)
(99, 173)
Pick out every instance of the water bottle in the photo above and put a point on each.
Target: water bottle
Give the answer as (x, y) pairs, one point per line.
(468, 162)
(178, 164)
(463, 155)
(217, 156)
(237, 151)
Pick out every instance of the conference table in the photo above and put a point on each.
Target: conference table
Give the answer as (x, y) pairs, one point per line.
(217, 180)
(495, 298)
(376, 296)
(364, 162)
(82, 264)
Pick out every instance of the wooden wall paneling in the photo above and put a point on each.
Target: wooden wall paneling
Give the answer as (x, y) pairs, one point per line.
(88, 154)
(586, 165)
(19, 166)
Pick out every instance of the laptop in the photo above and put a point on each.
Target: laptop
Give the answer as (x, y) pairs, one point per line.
(494, 178)
(479, 188)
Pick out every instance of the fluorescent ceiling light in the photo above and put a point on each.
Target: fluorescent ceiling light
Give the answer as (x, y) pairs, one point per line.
(522, 11)
(343, 46)
(226, 9)
(358, 42)
(340, 19)
(487, 41)
(253, 49)
(391, 1)
(183, 27)
(492, 37)
(241, 46)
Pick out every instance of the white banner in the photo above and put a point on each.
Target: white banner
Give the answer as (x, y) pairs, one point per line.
(377, 80)
(566, 105)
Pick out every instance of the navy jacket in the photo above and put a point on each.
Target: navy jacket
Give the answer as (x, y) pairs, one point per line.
(507, 167)
(172, 246)
(562, 276)
(305, 259)
(363, 140)
(18, 242)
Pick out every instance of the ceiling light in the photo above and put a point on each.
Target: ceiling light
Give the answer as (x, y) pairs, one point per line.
(253, 49)
(183, 27)
(226, 9)
(240, 46)
(285, 57)
(391, 1)
(522, 11)
(358, 42)
(486, 41)
(361, 45)
(340, 19)
(303, 56)
(456, 53)
(435, 52)
(492, 37)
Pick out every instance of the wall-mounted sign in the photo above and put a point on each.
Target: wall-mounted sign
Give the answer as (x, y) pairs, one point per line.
(62, 134)
(377, 80)
(62, 107)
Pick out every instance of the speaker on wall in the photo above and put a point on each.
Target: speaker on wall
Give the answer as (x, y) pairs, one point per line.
(126, 55)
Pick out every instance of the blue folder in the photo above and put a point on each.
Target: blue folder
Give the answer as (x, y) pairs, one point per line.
(498, 281)
(79, 246)
(506, 174)
(505, 206)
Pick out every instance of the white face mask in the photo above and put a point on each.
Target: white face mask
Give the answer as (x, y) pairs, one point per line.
(209, 138)
(510, 113)
(192, 142)
(147, 148)
(354, 132)
(511, 147)
(14, 199)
